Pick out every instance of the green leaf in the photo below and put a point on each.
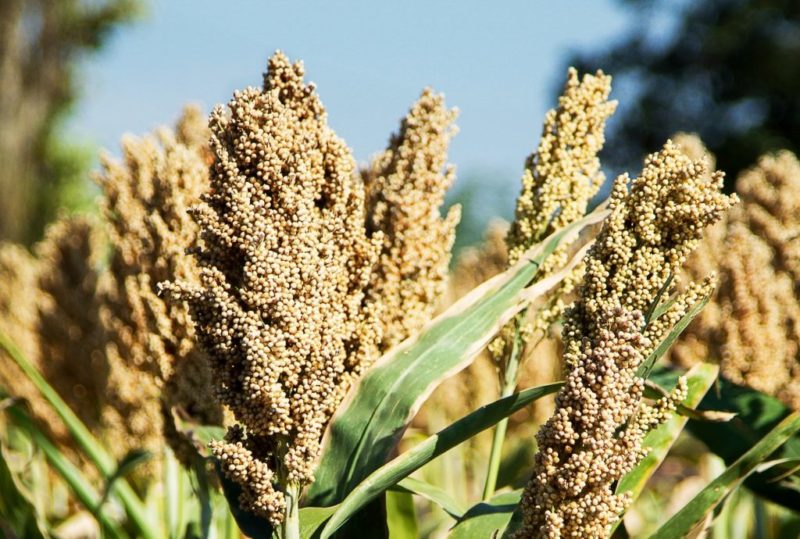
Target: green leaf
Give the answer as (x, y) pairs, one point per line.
(312, 520)
(82, 487)
(489, 518)
(432, 493)
(92, 448)
(647, 365)
(400, 516)
(129, 462)
(365, 430)
(657, 308)
(659, 440)
(786, 472)
(17, 511)
(756, 414)
(708, 498)
(400, 467)
(202, 491)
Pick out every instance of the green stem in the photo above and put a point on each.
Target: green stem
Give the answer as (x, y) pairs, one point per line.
(291, 518)
(508, 385)
(171, 496)
(84, 492)
(92, 448)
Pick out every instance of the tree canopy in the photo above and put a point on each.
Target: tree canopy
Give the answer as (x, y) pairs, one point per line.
(728, 70)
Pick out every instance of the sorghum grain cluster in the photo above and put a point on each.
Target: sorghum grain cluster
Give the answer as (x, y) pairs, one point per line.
(596, 433)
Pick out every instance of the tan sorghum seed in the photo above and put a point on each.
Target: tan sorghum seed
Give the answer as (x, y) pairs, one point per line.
(753, 323)
(559, 180)
(156, 368)
(563, 174)
(405, 189)
(583, 450)
(285, 260)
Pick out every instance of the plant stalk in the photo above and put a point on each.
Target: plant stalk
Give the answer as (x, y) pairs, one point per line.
(91, 447)
(290, 529)
(507, 387)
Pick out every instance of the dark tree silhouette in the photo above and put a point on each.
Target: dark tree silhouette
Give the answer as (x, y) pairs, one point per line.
(729, 70)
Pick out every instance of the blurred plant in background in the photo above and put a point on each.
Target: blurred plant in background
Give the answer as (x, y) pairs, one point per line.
(41, 44)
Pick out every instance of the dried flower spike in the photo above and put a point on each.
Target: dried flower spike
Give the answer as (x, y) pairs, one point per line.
(156, 369)
(595, 435)
(405, 187)
(285, 260)
(564, 173)
(753, 323)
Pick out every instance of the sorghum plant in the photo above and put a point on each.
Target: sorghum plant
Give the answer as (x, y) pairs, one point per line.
(156, 367)
(267, 307)
(560, 178)
(595, 435)
(751, 326)
(405, 187)
(49, 304)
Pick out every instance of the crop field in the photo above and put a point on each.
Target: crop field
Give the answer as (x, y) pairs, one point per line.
(252, 335)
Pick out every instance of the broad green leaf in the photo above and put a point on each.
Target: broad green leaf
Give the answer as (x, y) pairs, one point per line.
(659, 440)
(489, 518)
(400, 467)
(401, 518)
(432, 493)
(367, 426)
(708, 498)
(312, 519)
(647, 365)
(17, 511)
(83, 489)
(92, 448)
(756, 414)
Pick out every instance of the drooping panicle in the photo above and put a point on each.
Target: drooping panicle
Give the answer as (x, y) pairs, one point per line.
(559, 180)
(595, 435)
(752, 325)
(563, 174)
(405, 187)
(285, 259)
(156, 368)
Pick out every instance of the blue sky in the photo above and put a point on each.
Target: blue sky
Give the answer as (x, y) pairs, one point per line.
(498, 62)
